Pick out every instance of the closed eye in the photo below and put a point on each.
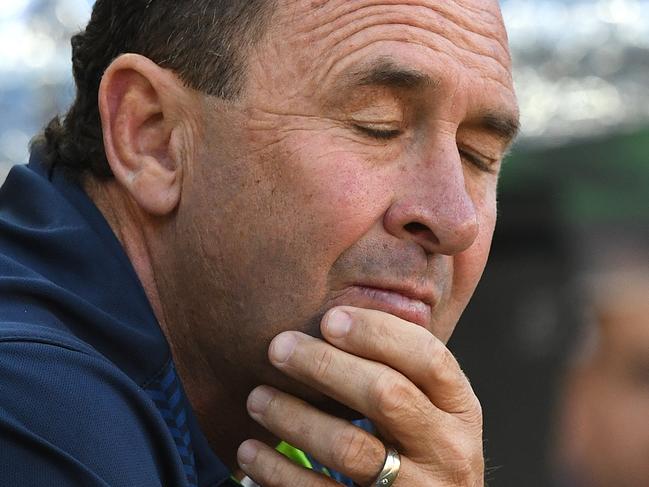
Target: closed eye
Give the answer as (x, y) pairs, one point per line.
(379, 134)
(481, 163)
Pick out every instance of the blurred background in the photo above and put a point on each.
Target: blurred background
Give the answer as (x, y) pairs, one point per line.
(556, 341)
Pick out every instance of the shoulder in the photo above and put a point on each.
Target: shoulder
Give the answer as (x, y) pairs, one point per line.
(70, 417)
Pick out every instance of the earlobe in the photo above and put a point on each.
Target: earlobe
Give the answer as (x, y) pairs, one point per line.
(139, 118)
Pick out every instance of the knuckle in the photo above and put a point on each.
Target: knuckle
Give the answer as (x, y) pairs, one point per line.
(391, 394)
(441, 361)
(352, 449)
(462, 474)
(466, 462)
(469, 405)
(323, 360)
(474, 409)
(276, 475)
(444, 367)
(283, 473)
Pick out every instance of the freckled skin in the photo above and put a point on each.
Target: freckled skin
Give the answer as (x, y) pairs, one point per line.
(287, 203)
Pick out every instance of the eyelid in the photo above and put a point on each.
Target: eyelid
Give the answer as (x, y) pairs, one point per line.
(378, 124)
(482, 163)
(378, 133)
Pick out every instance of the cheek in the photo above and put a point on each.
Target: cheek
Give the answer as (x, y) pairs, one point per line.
(341, 199)
(310, 207)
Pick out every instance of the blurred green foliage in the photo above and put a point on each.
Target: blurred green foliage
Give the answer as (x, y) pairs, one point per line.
(591, 182)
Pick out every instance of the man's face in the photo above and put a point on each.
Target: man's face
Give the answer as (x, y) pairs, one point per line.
(359, 168)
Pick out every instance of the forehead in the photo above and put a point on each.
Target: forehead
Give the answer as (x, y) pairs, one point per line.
(469, 32)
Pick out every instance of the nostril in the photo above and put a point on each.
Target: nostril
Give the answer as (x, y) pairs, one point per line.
(421, 231)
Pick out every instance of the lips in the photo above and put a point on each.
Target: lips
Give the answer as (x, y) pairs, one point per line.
(407, 307)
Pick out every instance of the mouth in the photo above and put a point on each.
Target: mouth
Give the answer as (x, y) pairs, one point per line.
(408, 306)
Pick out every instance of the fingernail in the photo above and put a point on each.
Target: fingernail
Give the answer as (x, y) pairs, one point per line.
(247, 453)
(338, 323)
(259, 399)
(282, 347)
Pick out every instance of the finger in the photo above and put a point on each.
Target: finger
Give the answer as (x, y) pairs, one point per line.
(269, 468)
(406, 347)
(333, 442)
(378, 392)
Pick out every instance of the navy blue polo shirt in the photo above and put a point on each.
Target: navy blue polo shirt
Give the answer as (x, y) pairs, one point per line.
(88, 392)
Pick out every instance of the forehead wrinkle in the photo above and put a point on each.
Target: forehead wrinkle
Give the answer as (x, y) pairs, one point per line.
(410, 29)
(331, 64)
(478, 7)
(492, 30)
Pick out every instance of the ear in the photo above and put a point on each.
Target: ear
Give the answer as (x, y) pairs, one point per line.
(139, 108)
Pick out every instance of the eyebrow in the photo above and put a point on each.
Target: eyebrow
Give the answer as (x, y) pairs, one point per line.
(503, 125)
(384, 72)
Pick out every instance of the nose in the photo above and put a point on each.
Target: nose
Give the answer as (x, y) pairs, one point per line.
(436, 212)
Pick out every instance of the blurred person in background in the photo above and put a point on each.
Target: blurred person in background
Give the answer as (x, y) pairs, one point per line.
(603, 427)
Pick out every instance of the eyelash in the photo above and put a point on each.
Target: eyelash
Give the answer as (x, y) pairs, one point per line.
(378, 134)
(481, 164)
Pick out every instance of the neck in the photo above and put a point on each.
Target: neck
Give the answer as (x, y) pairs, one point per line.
(220, 406)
